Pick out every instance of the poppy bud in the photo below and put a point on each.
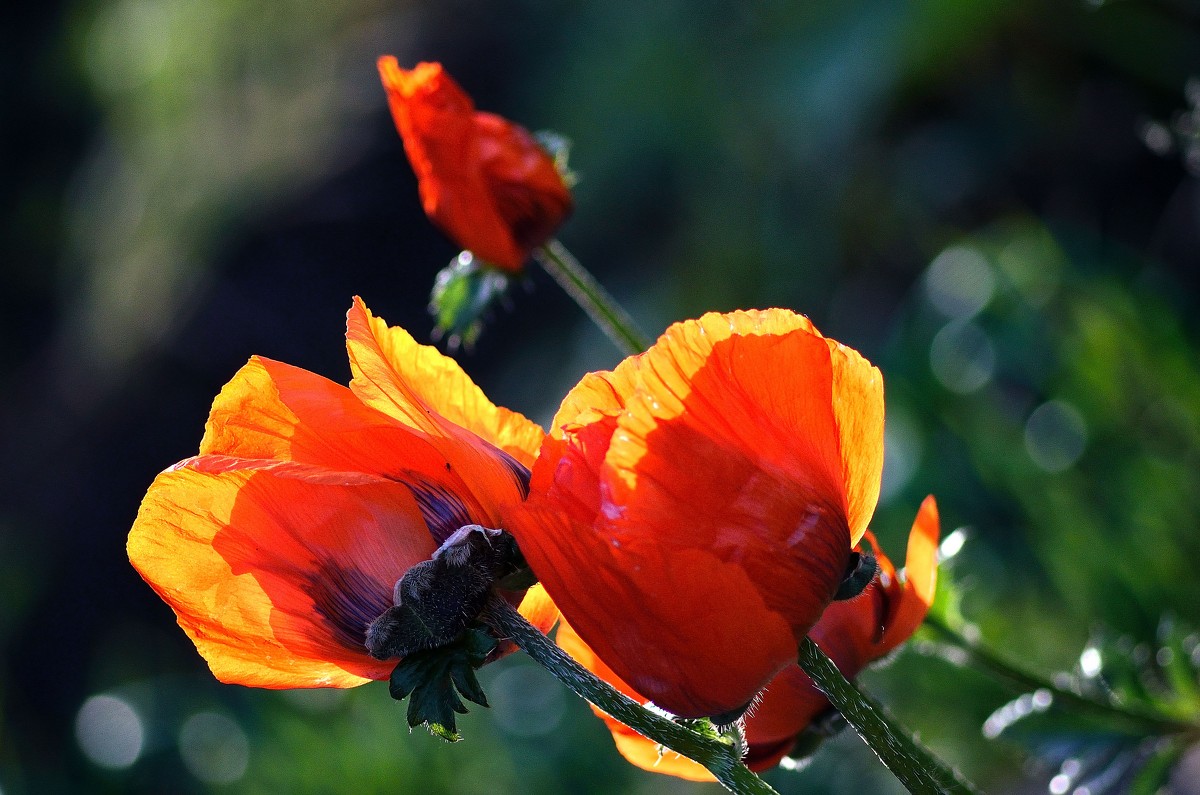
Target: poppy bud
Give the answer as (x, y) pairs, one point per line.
(485, 181)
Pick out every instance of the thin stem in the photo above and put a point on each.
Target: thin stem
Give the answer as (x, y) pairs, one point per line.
(601, 307)
(912, 763)
(718, 756)
(1132, 717)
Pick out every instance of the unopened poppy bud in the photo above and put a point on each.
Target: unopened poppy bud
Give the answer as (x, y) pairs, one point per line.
(487, 182)
(463, 295)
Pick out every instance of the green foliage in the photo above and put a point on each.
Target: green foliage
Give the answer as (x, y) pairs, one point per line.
(1138, 711)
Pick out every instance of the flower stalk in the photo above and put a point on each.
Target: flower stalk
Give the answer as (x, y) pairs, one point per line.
(718, 755)
(915, 767)
(1125, 715)
(604, 311)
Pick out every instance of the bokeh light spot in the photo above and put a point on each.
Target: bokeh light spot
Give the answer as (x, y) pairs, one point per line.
(962, 357)
(960, 282)
(1055, 436)
(1090, 661)
(214, 748)
(110, 732)
(952, 545)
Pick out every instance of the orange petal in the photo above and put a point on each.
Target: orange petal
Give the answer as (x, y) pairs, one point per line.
(858, 407)
(271, 410)
(921, 575)
(526, 188)
(665, 619)
(425, 390)
(538, 609)
(784, 709)
(718, 449)
(275, 569)
(638, 750)
(730, 445)
(437, 122)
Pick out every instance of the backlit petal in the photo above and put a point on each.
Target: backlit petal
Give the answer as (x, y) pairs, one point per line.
(920, 575)
(271, 410)
(418, 386)
(427, 390)
(858, 408)
(525, 186)
(274, 571)
(637, 749)
(436, 121)
(538, 608)
(653, 615)
(707, 475)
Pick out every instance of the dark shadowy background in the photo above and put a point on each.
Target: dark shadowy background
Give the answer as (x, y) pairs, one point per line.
(997, 202)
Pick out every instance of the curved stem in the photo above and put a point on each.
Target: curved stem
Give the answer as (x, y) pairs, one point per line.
(1131, 717)
(601, 307)
(718, 756)
(918, 769)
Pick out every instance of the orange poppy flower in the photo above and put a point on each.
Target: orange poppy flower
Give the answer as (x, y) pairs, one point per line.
(283, 539)
(693, 511)
(484, 180)
(854, 633)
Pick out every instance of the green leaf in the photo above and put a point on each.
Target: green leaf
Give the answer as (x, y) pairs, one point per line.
(1120, 721)
(1156, 772)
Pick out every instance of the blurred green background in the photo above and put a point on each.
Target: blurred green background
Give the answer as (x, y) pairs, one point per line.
(997, 202)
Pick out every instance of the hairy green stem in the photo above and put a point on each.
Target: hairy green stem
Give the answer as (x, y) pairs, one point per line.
(912, 763)
(719, 756)
(594, 299)
(1127, 716)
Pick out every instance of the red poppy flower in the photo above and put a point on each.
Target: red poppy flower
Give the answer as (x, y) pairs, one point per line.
(283, 539)
(693, 511)
(484, 180)
(853, 633)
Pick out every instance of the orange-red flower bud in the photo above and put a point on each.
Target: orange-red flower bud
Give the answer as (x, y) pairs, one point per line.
(484, 180)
